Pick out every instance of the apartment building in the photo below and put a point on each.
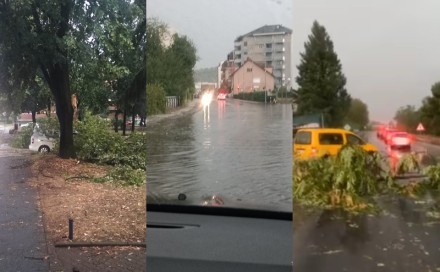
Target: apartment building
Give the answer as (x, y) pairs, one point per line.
(270, 46)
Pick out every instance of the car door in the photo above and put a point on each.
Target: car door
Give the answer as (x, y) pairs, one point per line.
(330, 143)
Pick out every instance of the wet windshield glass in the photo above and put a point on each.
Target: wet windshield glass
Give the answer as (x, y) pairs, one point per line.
(225, 81)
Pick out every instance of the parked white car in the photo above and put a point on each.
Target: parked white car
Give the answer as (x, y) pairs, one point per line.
(41, 142)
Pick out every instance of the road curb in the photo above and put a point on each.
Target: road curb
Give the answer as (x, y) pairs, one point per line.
(99, 244)
(190, 108)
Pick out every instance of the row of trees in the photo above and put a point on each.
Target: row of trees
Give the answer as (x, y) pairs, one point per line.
(321, 84)
(50, 50)
(170, 65)
(408, 117)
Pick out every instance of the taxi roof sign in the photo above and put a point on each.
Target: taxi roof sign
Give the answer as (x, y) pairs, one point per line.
(420, 127)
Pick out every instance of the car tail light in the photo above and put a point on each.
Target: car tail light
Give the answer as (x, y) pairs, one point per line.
(314, 151)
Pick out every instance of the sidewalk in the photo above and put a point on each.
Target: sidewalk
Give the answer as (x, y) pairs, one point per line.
(191, 107)
(22, 238)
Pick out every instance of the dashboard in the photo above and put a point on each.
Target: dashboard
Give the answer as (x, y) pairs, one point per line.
(205, 238)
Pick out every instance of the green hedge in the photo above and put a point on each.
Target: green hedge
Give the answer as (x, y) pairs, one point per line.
(252, 96)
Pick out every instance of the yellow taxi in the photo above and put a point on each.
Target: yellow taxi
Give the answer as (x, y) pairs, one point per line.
(312, 143)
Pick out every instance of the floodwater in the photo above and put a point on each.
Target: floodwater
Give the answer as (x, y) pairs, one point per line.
(238, 150)
(403, 236)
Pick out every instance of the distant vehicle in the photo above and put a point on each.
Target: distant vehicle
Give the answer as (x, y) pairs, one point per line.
(399, 140)
(41, 142)
(312, 143)
(386, 132)
(221, 96)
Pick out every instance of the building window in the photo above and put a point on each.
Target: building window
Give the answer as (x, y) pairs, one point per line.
(245, 44)
(268, 45)
(268, 54)
(245, 53)
(268, 63)
(249, 69)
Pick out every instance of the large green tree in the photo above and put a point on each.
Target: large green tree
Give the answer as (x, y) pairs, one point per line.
(358, 116)
(77, 46)
(321, 82)
(170, 60)
(407, 118)
(430, 110)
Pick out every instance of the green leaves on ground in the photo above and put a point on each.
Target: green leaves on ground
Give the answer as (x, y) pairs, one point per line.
(343, 180)
(408, 163)
(353, 178)
(124, 175)
(96, 142)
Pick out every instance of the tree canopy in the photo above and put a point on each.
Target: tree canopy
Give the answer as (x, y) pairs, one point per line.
(430, 110)
(170, 60)
(321, 82)
(94, 49)
(407, 118)
(358, 115)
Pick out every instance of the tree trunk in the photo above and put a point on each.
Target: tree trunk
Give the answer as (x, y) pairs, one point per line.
(124, 123)
(57, 76)
(133, 119)
(34, 117)
(116, 121)
(49, 108)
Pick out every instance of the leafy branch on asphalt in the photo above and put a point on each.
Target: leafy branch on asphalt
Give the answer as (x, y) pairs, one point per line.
(354, 177)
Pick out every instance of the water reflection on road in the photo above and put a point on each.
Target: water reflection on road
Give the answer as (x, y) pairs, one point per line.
(240, 150)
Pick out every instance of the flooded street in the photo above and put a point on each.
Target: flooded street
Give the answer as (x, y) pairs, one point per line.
(238, 150)
(403, 236)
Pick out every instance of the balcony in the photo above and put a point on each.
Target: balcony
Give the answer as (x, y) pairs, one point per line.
(279, 49)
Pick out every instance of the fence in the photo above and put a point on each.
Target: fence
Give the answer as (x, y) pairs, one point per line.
(173, 102)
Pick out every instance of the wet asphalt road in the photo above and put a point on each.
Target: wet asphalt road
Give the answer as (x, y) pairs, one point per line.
(405, 237)
(236, 149)
(22, 240)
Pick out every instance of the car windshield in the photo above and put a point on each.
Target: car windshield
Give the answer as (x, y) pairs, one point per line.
(210, 149)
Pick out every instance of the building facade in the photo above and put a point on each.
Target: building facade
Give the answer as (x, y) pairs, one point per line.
(250, 77)
(270, 46)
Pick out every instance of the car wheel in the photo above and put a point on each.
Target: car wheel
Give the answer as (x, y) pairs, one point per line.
(44, 149)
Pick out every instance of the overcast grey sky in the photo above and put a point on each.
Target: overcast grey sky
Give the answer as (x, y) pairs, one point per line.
(213, 25)
(389, 50)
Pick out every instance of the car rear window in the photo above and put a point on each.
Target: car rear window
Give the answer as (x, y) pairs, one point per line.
(331, 139)
(303, 138)
(403, 135)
